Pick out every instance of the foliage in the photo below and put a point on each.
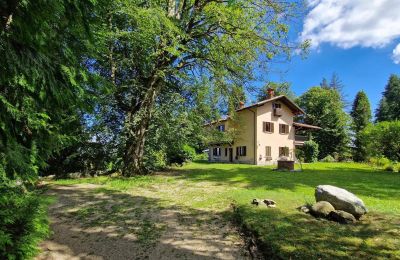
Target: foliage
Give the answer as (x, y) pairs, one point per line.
(389, 106)
(390, 168)
(324, 108)
(310, 149)
(382, 140)
(279, 88)
(23, 222)
(160, 48)
(201, 157)
(328, 158)
(379, 161)
(40, 81)
(361, 114)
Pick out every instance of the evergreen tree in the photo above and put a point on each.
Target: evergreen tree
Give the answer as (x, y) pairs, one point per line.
(389, 106)
(324, 108)
(361, 115)
(41, 81)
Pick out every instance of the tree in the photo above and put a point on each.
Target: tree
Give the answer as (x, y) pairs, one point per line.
(324, 108)
(361, 114)
(160, 47)
(382, 139)
(41, 80)
(279, 88)
(389, 106)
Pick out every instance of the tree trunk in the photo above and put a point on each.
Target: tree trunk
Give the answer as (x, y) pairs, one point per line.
(136, 125)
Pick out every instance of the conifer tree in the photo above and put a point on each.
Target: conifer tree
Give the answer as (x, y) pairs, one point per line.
(361, 115)
(389, 106)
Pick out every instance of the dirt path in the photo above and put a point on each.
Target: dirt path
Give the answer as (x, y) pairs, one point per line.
(91, 222)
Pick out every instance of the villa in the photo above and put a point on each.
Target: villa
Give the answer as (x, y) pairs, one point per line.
(265, 132)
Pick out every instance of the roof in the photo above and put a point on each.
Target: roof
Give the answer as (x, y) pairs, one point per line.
(292, 106)
(289, 103)
(301, 125)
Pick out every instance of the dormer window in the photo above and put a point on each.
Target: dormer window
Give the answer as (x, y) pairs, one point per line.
(276, 105)
(277, 109)
(221, 128)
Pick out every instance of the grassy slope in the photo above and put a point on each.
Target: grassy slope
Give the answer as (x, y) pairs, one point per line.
(285, 231)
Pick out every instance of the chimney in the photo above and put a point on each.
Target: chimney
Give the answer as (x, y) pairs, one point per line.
(270, 93)
(241, 104)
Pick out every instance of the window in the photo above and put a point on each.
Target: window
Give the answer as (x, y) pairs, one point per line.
(283, 129)
(217, 151)
(241, 151)
(226, 151)
(221, 128)
(268, 151)
(276, 105)
(268, 127)
(284, 151)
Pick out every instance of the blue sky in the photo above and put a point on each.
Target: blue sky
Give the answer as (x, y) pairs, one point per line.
(357, 39)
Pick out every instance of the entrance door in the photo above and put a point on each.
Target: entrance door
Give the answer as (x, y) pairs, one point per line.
(230, 154)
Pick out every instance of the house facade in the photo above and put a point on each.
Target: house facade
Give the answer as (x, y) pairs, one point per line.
(263, 133)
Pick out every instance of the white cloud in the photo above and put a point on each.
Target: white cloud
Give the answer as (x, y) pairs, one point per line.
(350, 23)
(396, 54)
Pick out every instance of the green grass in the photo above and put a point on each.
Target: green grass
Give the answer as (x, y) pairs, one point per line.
(283, 231)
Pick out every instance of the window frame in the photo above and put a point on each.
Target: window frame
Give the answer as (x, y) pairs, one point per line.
(271, 127)
(284, 127)
(284, 151)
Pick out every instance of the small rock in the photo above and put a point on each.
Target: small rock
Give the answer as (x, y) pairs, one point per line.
(342, 217)
(304, 208)
(321, 209)
(270, 203)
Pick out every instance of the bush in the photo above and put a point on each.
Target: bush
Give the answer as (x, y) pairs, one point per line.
(155, 160)
(201, 157)
(310, 151)
(328, 158)
(390, 168)
(23, 222)
(379, 161)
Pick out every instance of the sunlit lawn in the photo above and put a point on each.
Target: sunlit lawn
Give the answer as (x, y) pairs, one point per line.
(283, 231)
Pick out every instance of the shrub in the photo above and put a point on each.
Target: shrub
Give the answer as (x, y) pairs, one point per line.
(311, 151)
(201, 157)
(23, 222)
(379, 161)
(155, 160)
(328, 158)
(189, 153)
(390, 168)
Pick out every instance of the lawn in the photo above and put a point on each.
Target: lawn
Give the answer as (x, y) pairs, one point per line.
(283, 232)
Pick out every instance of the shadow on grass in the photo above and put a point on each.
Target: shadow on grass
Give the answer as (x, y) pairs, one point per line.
(89, 221)
(300, 236)
(359, 180)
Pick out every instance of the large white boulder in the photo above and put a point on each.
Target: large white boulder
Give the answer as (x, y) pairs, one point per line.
(341, 199)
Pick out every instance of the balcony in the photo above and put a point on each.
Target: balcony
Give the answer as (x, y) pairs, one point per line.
(300, 139)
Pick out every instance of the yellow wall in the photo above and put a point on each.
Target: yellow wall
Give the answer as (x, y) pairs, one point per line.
(250, 132)
(245, 125)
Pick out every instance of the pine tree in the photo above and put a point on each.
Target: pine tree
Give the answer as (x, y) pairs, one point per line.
(361, 114)
(389, 106)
